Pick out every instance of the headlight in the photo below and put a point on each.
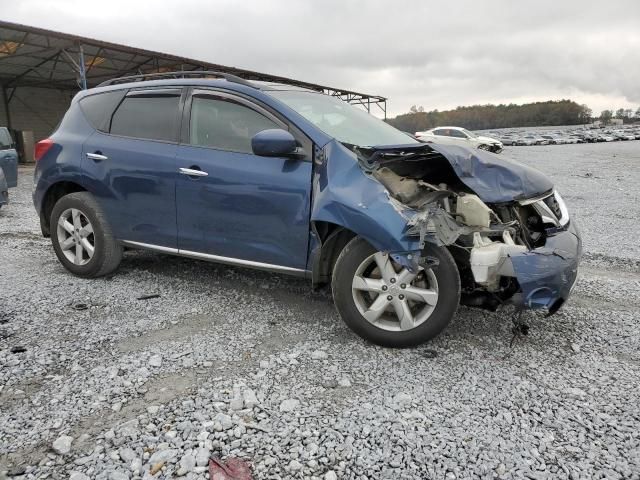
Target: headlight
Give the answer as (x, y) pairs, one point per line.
(556, 203)
(551, 209)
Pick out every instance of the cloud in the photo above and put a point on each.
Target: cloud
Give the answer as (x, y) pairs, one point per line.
(435, 54)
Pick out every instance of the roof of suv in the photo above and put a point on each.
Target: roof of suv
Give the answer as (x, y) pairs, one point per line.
(208, 79)
(198, 82)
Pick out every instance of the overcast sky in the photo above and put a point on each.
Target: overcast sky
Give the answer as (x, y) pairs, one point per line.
(438, 54)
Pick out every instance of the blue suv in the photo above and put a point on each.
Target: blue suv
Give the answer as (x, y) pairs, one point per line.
(214, 167)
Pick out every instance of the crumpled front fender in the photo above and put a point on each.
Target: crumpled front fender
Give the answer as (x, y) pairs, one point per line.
(345, 195)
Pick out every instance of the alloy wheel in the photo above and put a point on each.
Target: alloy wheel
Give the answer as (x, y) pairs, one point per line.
(391, 297)
(75, 236)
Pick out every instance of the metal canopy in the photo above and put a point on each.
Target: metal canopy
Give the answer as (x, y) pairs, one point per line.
(36, 57)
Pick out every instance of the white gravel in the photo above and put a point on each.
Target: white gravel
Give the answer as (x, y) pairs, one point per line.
(232, 362)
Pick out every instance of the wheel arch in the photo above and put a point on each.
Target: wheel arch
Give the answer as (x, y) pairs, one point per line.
(331, 238)
(54, 193)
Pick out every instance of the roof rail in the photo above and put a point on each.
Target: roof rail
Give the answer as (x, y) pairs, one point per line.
(179, 74)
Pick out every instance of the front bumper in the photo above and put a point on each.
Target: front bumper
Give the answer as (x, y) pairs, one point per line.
(546, 275)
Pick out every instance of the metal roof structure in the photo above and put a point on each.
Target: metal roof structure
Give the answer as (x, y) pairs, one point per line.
(36, 57)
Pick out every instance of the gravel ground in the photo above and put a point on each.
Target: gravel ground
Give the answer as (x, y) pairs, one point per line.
(95, 383)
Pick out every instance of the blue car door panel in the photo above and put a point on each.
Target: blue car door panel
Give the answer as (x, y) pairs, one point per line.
(230, 202)
(132, 170)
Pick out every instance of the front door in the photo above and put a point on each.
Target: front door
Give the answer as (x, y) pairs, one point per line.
(231, 203)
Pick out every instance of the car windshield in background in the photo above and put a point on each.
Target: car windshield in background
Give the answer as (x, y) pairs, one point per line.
(468, 133)
(342, 121)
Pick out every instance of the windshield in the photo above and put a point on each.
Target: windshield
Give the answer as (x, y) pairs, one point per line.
(342, 121)
(469, 134)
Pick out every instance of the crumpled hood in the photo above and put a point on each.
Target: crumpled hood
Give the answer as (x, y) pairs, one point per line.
(494, 179)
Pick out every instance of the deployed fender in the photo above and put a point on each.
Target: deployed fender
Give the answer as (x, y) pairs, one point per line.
(345, 195)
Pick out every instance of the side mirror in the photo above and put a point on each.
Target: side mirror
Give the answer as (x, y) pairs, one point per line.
(274, 143)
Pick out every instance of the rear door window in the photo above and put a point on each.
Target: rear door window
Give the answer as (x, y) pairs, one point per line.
(149, 114)
(98, 108)
(440, 132)
(225, 124)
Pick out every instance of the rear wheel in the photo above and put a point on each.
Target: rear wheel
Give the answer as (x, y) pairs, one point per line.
(82, 238)
(387, 304)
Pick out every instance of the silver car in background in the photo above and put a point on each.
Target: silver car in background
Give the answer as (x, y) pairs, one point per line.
(460, 136)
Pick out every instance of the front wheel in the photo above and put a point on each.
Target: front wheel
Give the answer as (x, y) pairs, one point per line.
(385, 303)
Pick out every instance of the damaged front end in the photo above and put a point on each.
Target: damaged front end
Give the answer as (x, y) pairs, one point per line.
(505, 225)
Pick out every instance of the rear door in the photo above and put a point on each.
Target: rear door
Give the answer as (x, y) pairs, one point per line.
(459, 138)
(449, 136)
(231, 203)
(443, 136)
(131, 166)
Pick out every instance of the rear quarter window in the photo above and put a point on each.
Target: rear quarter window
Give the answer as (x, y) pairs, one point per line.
(98, 108)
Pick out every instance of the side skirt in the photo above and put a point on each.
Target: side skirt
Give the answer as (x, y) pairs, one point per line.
(218, 259)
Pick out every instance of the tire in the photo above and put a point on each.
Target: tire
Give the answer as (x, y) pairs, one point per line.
(90, 225)
(443, 278)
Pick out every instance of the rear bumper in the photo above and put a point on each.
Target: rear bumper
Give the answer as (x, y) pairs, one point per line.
(547, 275)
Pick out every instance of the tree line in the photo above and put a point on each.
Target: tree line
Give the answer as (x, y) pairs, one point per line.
(481, 117)
(625, 114)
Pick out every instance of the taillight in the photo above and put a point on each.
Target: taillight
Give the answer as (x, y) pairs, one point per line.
(42, 147)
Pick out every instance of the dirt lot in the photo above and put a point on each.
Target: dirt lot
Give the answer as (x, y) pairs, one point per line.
(95, 383)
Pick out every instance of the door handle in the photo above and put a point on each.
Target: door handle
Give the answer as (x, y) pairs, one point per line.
(192, 172)
(98, 157)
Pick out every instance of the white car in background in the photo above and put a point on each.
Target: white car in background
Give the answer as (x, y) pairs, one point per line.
(460, 136)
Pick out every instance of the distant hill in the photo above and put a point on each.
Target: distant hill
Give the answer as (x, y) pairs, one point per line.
(481, 117)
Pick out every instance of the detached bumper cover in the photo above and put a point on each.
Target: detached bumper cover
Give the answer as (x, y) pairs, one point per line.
(547, 274)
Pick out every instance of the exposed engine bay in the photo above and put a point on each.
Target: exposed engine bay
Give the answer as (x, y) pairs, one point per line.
(486, 220)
